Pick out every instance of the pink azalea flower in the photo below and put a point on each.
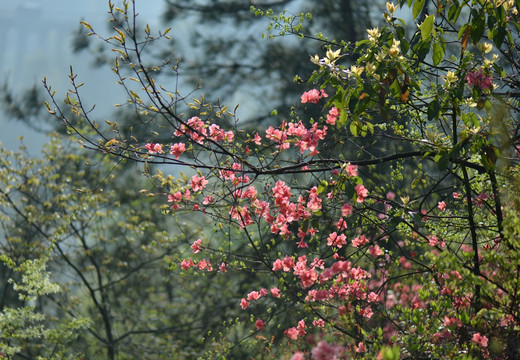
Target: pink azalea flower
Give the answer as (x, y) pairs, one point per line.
(259, 324)
(298, 356)
(361, 192)
(326, 351)
(153, 148)
(332, 116)
(367, 313)
(373, 297)
(479, 79)
(288, 263)
(204, 265)
(361, 347)
(196, 246)
(292, 333)
(375, 251)
(277, 265)
(313, 96)
(177, 149)
(352, 170)
(208, 199)
(308, 278)
(480, 340)
(336, 240)
(198, 182)
(257, 139)
(314, 203)
(359, 241)
(222, 267)
(433, 241)
(186, 264)
(452, 322)
(318, 323)
(275, 292)
(244, 304)
(346, 210)
(442, 206)
(175, 197)
(341, 224)
(253, 295)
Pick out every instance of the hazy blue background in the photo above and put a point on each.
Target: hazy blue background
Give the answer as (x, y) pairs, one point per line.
(35, 41)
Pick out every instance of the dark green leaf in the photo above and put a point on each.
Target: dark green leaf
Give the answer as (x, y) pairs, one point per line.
(443, 162)
(454, 12)
(434, 109)
(423, 48)
(400, 32)
(478, 25)
(405, 45)
(498, 36)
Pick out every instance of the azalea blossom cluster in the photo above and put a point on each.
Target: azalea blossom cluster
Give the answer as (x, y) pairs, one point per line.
(333, 282)
(305, 139)
(198, 131)
(313, 96)
(479, 80)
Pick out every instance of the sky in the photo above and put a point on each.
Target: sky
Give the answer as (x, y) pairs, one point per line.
(36, 37)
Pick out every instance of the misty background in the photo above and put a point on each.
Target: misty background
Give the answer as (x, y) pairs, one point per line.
(36, 41)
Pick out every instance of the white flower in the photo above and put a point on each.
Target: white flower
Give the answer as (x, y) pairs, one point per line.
(394, 50)
(315, 59)
(333, 55)
(373, 34)
(370, 68)
(356, 70)
(450, 78)
(484, 47)
(391, 8)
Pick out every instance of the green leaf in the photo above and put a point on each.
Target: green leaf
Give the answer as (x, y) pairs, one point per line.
(395, 89)
(470, 120)
(434, 109)
(438, 53)
(423, 48)
(443, 162)
(478, 25)
(322, 187)
(427, 27)
(349, 191)
(399, 31)
(405, 45)
(454, 12)
(417, 8)
(499, 35)
(391, 353)
(342, 121)
(370, 128)
(354, 128)
(462, 30)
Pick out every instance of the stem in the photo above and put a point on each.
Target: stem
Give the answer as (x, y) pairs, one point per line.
(474, 240)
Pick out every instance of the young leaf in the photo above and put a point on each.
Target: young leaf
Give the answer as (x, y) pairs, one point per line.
(417, 8)
(427, 27)
(438, 53)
